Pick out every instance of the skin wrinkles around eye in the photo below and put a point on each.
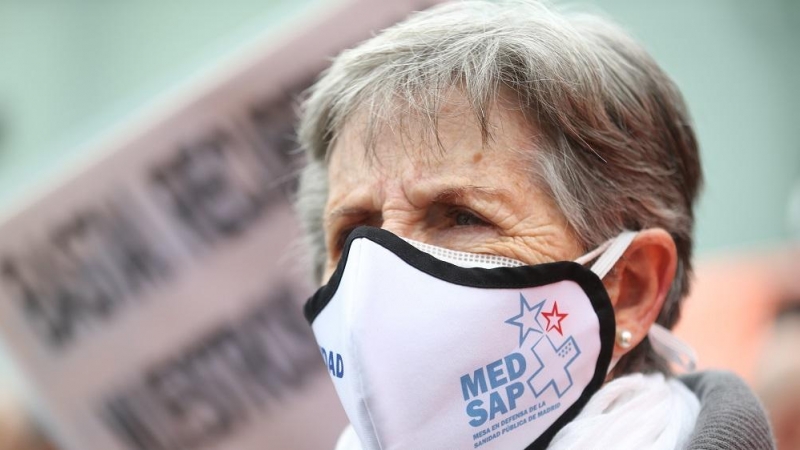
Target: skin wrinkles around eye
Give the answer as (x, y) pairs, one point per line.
(454, 216)
(460, 216)
(453, 213)
(471, 206)
(338, 225)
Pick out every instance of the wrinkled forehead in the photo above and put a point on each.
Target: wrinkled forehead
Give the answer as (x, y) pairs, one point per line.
(425, 135)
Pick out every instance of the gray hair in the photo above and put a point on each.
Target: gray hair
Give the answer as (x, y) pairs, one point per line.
(618, 148)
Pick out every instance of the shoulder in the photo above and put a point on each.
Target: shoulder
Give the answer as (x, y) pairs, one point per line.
(731, 417)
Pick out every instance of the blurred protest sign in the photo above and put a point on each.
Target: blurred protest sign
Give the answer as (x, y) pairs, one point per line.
(151, 298)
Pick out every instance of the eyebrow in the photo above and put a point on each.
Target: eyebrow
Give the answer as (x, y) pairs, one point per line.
(346, 211)
(452, 194)
(447, 195)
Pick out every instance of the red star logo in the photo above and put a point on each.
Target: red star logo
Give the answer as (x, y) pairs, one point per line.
(554, 319)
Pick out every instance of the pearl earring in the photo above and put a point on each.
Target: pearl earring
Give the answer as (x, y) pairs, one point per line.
(624, 338)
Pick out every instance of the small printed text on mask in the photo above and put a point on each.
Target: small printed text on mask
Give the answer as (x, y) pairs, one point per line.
(334, 362)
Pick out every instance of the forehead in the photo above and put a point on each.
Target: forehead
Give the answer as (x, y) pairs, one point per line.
(454, 134)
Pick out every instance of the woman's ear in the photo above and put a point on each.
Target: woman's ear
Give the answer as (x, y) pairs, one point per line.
(639, 283)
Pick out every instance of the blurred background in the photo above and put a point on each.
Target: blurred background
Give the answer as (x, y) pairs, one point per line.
(81, 80)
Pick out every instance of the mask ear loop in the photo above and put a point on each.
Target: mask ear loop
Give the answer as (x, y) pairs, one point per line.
(583, 260)
(666, 344)
(613, 251)
(672, 348)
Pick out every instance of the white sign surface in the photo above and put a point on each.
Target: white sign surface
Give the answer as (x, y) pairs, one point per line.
(152, 297)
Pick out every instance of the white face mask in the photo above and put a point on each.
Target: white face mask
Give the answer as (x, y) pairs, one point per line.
(426, 353)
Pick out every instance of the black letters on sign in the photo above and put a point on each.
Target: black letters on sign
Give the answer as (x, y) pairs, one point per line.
(210, 190)
(87, 268)
(215, 385)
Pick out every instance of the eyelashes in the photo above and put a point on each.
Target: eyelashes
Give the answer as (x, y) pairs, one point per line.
(439, 218)
(463, 217)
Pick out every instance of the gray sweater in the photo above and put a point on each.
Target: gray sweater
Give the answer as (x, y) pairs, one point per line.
(731, 417)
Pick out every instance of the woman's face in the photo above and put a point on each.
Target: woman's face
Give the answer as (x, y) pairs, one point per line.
(463, 195)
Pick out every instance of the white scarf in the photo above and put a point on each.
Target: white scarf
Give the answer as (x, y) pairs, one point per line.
(631, 412)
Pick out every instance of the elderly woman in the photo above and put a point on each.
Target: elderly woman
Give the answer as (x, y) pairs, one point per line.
(500, 201)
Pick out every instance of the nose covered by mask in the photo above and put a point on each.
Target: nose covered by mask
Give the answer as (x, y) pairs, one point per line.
(458, 350)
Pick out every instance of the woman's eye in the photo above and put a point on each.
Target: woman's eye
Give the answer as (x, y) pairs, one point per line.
(466, 218)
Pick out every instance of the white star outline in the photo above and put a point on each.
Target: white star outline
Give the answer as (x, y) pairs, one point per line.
(528, 318)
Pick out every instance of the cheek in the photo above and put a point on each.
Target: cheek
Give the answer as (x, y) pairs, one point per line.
(466, 239)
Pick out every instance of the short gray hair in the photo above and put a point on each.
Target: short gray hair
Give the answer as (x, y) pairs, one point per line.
(618, 148)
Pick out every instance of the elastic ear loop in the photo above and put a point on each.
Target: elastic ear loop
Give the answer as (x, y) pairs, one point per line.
(612, 251)
(666, 344)
(672, 348)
